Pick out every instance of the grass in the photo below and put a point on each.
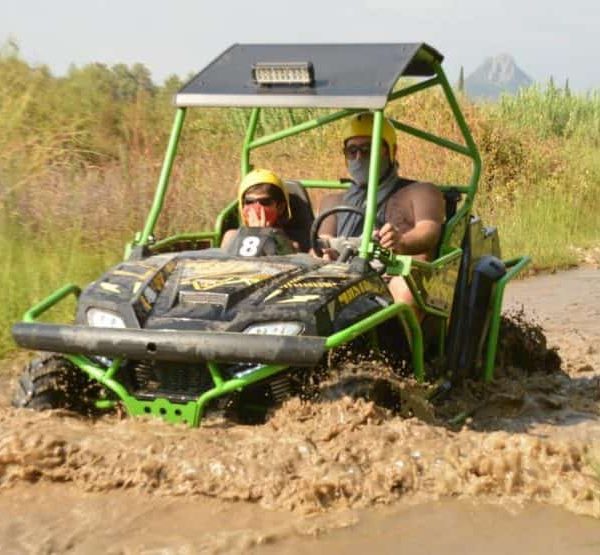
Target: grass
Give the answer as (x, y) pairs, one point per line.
(549, 217)
(33, 267)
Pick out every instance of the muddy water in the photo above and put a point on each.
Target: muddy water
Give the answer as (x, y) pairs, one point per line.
(567, 305)
(59, 518)
(517, 469)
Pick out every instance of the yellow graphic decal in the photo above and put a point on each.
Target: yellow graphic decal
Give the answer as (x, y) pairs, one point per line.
(140, 271)
(206, 284)
(147, 306)
(274, 294)
(201, 270)
(169, 267)
(111, 287)
(125, 273)
(361, 288)
(309, 284)
(300, 299)
(158, 282)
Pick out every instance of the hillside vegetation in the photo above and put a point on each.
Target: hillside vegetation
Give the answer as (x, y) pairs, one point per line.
(80, 156)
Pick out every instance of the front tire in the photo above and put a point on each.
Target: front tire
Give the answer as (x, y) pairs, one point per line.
(381, 391)
(384, 389)
(52, 382)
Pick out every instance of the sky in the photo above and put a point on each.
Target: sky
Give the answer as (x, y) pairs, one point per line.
(555, 38)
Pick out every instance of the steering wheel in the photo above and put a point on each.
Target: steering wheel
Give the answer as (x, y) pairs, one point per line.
(314, 229)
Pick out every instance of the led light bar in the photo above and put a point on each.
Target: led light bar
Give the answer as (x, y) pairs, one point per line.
(283, 73)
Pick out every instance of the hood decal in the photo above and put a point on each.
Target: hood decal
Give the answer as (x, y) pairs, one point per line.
(206, 275)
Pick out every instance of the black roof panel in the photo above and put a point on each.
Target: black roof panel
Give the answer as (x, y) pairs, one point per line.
(346, 75)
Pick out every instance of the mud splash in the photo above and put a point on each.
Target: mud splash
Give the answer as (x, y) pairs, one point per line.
(317, 456)
(531, 436)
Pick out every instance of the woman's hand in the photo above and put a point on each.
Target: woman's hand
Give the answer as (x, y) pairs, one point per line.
(255, 215)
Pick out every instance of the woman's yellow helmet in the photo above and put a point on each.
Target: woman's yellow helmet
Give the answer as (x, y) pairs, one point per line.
(258, 177)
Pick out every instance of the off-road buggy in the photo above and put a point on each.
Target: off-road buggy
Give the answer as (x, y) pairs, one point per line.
(182, 326)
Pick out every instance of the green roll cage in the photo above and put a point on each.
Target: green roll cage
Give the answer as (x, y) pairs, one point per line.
(251, 143)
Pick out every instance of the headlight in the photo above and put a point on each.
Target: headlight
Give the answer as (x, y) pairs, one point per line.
(98, 318)
(275, 328)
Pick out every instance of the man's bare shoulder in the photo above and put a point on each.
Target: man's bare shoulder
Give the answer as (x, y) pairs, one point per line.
(417, 191)
(418, 188)
(416, 201)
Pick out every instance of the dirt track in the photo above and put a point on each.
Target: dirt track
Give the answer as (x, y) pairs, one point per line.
(340, 476)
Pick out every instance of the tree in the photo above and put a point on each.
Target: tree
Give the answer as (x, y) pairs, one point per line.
(143, 79)
(10, 49)
(89, 101)
(172, 84)
(128, 82)
(461, 80)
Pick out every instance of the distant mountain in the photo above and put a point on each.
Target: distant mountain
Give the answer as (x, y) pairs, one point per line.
(495, 76)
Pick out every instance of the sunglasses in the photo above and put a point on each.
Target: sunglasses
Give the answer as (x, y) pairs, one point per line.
(352, 150)
(263, 201)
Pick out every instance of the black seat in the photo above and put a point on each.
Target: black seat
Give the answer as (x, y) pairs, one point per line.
(452, 198)
(298, 227)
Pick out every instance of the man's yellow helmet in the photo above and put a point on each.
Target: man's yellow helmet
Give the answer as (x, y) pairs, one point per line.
(259, 177)
(361, 125)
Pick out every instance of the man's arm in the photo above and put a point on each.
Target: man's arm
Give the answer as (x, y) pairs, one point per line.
(421, 239)
(422, 206)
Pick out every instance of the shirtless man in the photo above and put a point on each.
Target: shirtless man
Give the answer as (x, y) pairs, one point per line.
(410, 214)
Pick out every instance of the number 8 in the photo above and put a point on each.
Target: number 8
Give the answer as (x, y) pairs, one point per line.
(249, 246)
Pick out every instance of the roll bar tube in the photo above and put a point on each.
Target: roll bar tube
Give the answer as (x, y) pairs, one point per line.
(163, 180)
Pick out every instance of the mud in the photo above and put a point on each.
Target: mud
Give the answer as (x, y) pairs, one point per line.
(513, 456)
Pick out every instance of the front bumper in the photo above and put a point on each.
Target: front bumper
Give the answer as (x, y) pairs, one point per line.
(171, 345)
